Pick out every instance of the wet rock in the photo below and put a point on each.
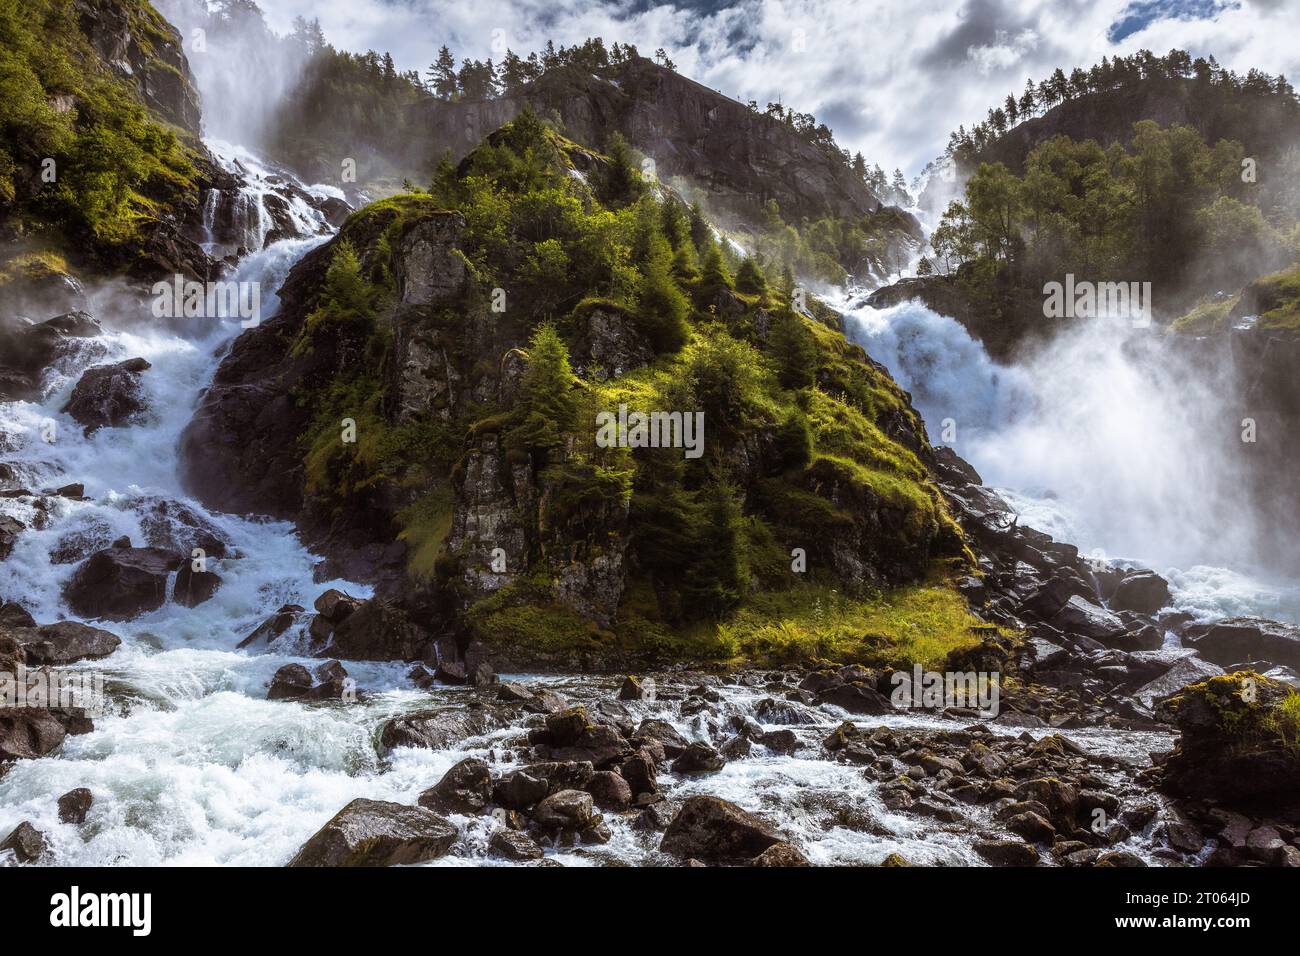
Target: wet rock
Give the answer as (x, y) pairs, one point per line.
(609, 790)
(856, 698)
(895, 860)
(520, 790)
(1007, 852)
(699, 758)
(1081, 616)
(108, 396)
(120, 583)
(771, 711)
(65, 642)
(664, 732)
(439, 729)
(780, 854)
(1240, 639)
(1032, 826)
(465, 788)
(781, 741)
(514, 845)
(333, 605)
(30, 732)
(26, 842)
(377, 833)
(27, 351)
(10, 529)
(1187, 670)
(1233, 748)
(275, 625)
(632, 689)
(639, 772)
(290, 682)
(13, 614)
(74, 805)
(565, 728)
(717, 831)
(1142, 591)
(377, 631)
(736, 748)
(194, 587)
(1123, 858)
(565, 811)
(175, 526)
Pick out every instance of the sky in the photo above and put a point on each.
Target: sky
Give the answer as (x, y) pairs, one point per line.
(892, 78)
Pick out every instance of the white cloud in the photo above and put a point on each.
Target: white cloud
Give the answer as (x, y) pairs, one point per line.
(891, 77)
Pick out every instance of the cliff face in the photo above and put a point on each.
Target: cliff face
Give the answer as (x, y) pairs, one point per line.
(738, 157)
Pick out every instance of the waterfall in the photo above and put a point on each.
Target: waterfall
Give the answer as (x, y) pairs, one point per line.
(1108, 438)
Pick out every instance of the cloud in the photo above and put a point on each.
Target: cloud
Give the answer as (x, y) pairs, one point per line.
(892, 78)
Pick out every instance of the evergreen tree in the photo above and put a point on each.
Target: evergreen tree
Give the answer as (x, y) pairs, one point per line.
(794, 351)
(442, 75)
(749, 278)
(717, 580)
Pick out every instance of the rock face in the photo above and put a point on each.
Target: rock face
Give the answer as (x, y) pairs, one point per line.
(108, 396)
(716, 831)
(27, 351)
(689, 131)
(376, 833)
(1238, 743)
(1241, 640)
(121, 583)
(194, 587)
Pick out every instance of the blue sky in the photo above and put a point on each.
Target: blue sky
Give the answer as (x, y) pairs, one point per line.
(890, 77)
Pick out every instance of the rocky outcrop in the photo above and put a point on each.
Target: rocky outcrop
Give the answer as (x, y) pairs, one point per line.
(26, 351)
(1238, 743)
(64, 642)
(376, 833)
(120, 583)
(108, 396)
(1246, 640)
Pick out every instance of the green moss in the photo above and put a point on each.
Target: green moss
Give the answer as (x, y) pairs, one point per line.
(425, 527)
(1278, 299)
(899, 627)
(1207, 317)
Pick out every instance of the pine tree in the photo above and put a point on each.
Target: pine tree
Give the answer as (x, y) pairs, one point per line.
(717, 579)
(794, 351)
(749, 278)
(442, 75)
(619, 182)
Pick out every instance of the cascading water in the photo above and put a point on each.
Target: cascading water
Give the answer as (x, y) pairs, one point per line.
(1107, 438)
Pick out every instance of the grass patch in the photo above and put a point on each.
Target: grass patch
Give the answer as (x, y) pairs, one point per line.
(916, 623)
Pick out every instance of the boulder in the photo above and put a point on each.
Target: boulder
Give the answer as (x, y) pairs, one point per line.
(664, 732)
(716, 831)
(780, 854)
(1143, 592)
(632, 689)
(10, 529)
(514, 845)
(639, 772)
(377, 631)
(1239, 640)
(1082, 617)
(29, 732)
(120, 583)
(439, 729)
(74, 805)
(274, 626)
(466, 788)
(65, 642)
(290, 682)
(1187, 670)
(377, 833)
(26, 842)
(565, 811)
(699, 758)
(1237, 744)
(108, 396)
(609, 790)
(857, 698)
(194, 587)
(1007, 852)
